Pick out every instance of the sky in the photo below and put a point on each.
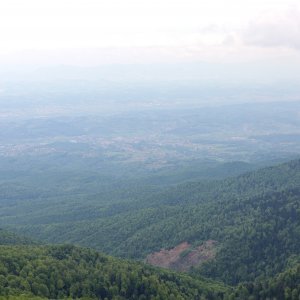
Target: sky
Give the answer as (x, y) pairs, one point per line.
(93, 33)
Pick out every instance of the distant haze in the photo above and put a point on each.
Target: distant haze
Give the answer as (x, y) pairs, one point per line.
(139, 53)
(243, 38)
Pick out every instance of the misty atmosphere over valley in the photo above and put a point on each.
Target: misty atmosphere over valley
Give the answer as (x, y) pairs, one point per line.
(150, 150)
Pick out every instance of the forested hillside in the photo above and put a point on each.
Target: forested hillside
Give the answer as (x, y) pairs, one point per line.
(254, 218)
(10, 238)
(285, 285)
(59, 272)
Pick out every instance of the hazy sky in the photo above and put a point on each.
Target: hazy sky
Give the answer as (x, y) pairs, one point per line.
(116, 31)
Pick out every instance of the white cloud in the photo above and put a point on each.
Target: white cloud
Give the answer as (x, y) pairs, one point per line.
(275, 29)
(118, 31)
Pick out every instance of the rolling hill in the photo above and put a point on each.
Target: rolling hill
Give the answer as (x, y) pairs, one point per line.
(254, 219)
(64, 272)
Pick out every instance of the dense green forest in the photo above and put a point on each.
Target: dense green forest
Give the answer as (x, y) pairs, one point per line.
(69, 272)
(285, 285)
(59, 272)
(255, 219)
(10, 238)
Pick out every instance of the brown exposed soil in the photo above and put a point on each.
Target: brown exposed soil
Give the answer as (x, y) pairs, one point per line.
(183, 256)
